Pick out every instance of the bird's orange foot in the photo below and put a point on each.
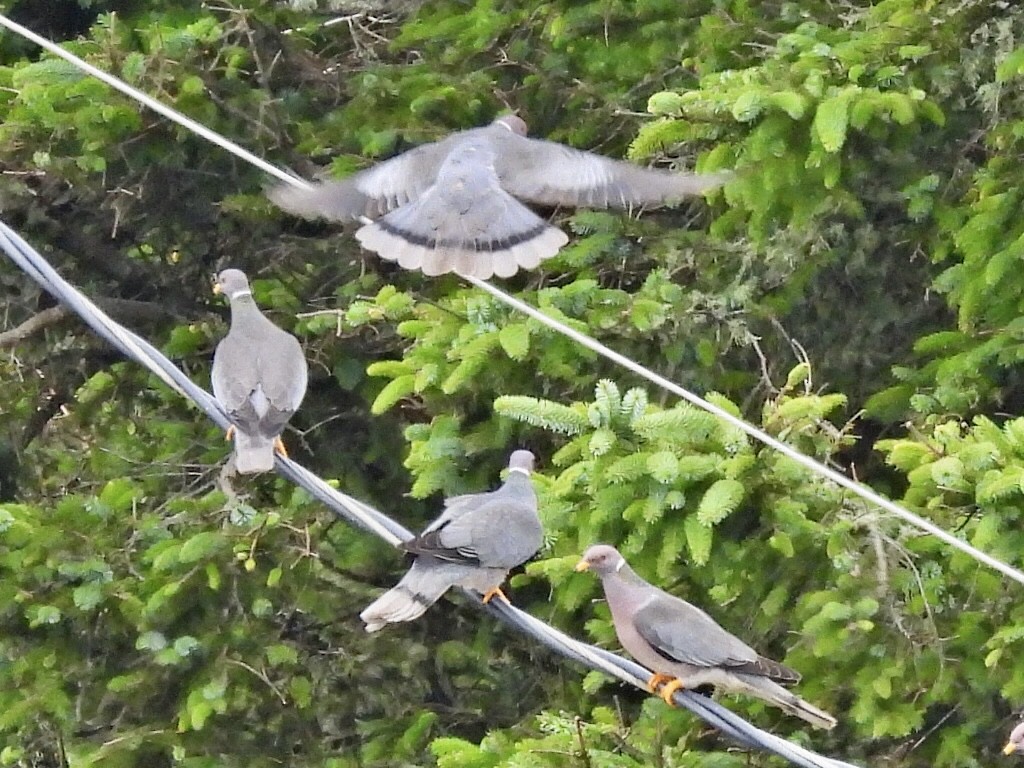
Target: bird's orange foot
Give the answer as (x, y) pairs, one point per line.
(490, 594)
(657, 680)
(670, 688)
(279, 447)
(230, 433)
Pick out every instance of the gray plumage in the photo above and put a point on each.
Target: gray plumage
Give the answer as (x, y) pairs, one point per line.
(259, 376)
(450, 206)
(677, 640)
(1016, 740)
(475, 542)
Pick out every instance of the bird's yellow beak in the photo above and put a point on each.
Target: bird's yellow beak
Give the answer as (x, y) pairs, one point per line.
(216, 288)
(1010, 748)
(582, 566)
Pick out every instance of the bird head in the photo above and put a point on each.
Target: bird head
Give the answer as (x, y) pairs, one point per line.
(1016, 742)
(514, 123)
(602, 559)
(521, 461)
(232, 283)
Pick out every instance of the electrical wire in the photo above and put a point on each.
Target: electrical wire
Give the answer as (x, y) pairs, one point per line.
(363, 515)
(807, 462)
(162, 109)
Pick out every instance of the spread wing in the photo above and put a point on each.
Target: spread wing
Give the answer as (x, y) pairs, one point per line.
(549, 173)
(373, 192)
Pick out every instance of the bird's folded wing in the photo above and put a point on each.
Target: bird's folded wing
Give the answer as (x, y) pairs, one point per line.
(234, 374)
(480, 531)
(372, 192)
(548, 173)
(432, 544)
(283, 370)
(684, 633)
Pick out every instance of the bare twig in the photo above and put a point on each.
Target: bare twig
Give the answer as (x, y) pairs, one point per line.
(123, 308)
(33, 325)
(584, 754)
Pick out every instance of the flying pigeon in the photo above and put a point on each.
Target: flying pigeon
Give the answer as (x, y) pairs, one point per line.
(258, 376)
(685, 647)
(1016, 741)
(451, 206)
(475, 542)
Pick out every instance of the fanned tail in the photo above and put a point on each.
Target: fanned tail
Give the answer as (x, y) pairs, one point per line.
(500, 240)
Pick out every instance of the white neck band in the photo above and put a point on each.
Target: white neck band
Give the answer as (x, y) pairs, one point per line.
(520, 470)
(244, 292)
(622, 562)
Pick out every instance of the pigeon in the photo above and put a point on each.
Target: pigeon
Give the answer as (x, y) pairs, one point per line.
(258, 376)
(1016, 741)
(685, 647)
(451, 206)
(475, 542)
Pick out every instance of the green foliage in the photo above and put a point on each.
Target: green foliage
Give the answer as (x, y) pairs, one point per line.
(603, 739)
(870, 237)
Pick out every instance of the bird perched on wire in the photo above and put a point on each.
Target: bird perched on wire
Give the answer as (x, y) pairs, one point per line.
(686, 648)
(1016, 740)
(259, 377)
(475, 542)
(451, 206)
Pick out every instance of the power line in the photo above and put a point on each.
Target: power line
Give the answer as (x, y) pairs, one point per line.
(787, 450)
(157, 106)
(363, 515)
(807, 462)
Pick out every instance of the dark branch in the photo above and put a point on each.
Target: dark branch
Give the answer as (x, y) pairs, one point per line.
(124, 309)
(34, 324)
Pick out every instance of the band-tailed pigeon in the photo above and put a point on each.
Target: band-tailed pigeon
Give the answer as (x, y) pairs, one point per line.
(258, 376)
(685, 647)
(1016, 740)
(450, 206)
(475, 542)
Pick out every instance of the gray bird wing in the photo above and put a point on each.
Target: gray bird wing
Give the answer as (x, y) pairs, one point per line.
(684, 633)
(282, 369)
(373, 192)
(495, 530)
(233, 376)
(549, 173)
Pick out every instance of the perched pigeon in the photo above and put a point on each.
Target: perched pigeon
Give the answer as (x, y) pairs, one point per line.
(451, 205)
(684, 646)
(1016, 741)
(475, 542)
(259, 376)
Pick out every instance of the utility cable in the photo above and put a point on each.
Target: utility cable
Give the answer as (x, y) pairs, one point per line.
(363, 515)
(805, 461)
(171, 114)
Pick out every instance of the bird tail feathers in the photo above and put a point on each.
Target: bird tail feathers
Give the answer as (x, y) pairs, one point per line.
(496, 236)
(253, 453)
(419, 589)
(787, 701)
